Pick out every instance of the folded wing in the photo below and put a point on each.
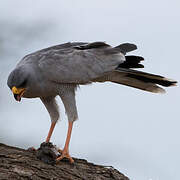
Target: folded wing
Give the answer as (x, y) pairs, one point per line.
(80, 63)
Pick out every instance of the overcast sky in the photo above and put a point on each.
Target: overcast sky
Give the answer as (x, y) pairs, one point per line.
(136, 132)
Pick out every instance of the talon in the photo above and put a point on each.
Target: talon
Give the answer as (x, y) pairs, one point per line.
(65, 155)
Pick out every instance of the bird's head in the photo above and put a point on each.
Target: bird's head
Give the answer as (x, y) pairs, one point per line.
(17, 82)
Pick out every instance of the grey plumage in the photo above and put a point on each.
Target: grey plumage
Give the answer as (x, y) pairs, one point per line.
(60, 69)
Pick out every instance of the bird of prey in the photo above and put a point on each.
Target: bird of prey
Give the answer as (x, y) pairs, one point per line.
(59, 70)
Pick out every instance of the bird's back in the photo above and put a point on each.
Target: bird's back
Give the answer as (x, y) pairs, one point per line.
(75, 62)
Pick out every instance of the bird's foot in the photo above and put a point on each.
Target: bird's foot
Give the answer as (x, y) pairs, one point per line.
(64, 154)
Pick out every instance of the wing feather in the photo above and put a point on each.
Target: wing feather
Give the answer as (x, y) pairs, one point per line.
(72, 65)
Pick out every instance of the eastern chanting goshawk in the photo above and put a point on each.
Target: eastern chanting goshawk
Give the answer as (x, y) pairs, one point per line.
(59, 70)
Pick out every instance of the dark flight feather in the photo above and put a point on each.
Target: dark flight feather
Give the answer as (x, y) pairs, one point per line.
(132, 62)
(92, 45)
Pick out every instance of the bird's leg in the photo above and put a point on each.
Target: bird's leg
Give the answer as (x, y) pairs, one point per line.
(48, 137)
(65, 151)
(50, 134)
(52, 108)
(50, 131)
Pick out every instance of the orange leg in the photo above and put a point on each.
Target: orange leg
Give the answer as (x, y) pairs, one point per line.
(48, 137)
(50, 131)
(65, 151)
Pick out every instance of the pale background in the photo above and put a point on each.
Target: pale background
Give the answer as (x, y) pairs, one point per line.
(134, 131)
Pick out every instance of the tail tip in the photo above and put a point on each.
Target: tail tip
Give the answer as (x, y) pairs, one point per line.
(171, 81)
(160, 90)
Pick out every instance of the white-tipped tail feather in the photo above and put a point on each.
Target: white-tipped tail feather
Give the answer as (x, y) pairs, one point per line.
(122, 78)
(173, 82)
(138, 79)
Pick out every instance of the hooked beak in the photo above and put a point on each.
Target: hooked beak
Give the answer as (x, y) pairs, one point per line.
(18, 93)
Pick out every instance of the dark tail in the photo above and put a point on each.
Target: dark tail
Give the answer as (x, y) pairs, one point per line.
(137, 79)
(144, 81)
